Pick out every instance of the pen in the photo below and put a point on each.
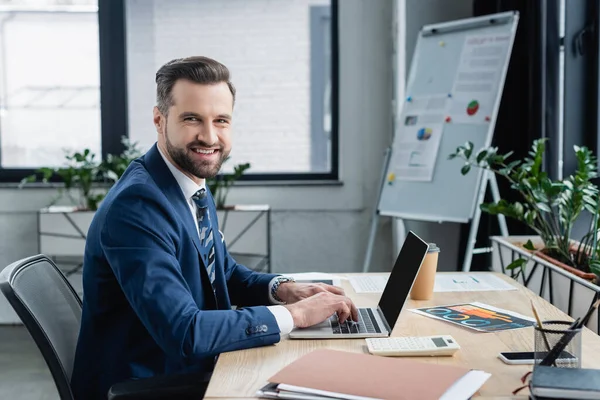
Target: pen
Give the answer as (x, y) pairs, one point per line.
(588, 315)
(539, 321)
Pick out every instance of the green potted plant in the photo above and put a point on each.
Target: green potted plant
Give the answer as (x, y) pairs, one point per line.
(219, 185)
(549, 207)
(84, 173)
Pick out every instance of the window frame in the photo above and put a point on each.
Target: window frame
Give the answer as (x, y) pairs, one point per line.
(112, 28)
(580, 43)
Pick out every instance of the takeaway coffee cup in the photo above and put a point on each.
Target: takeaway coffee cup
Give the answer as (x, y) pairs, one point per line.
(423, 287)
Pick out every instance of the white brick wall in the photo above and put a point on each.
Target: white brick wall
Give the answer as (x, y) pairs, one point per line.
(266, 46)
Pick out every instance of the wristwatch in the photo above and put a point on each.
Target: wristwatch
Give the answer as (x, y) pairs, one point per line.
(278, 281)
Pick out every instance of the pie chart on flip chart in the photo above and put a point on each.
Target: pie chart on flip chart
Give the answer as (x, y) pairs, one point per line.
(424, 133)
(473, 107)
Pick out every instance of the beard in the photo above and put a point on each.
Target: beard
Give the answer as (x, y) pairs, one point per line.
(200, 169)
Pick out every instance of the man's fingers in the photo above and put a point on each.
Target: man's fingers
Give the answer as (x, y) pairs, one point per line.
(353, 311)
(343, 312)
(334, 289)
(320, 288)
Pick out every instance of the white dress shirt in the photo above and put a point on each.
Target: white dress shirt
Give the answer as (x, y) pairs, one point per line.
(189, 188)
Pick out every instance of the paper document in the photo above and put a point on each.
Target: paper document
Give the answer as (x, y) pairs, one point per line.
(469, 282)
(477, 316)
(477, 79)
(272, 391)
(368, 284)
(466, 386)
(322, 277)
(418, 138)
(324, 394)
(417, 152)
(248, 207)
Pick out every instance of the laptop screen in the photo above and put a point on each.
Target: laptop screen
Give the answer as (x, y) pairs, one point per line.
(402, 277)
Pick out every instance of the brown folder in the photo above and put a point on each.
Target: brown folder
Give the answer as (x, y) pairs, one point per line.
(369, 376)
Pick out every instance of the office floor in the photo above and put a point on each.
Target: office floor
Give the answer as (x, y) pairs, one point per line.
(23, 372)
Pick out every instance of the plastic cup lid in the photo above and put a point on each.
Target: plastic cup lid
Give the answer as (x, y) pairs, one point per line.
(433, 248)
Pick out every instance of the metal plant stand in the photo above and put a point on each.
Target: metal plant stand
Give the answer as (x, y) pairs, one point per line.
(560, 287)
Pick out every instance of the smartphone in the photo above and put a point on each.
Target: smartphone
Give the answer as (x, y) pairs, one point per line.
(528, 357)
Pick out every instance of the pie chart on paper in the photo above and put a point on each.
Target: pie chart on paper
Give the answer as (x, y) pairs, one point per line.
(473, 107)
(424, 133)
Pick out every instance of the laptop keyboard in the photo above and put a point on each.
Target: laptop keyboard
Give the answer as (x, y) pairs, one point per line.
(366, 323)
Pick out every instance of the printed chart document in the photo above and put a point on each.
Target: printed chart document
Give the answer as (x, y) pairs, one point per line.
(477, 316)
(446, 282)
(469, 282)
(476, 83)
(419, 137)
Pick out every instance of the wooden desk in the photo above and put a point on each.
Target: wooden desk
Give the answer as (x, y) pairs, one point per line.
(239, 374)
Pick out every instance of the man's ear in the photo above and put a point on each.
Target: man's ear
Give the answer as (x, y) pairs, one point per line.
(159, 120)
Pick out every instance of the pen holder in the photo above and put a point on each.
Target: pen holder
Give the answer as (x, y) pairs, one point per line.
(557, 344)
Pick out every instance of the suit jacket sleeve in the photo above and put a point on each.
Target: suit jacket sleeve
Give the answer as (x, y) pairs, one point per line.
(140, 239)
(246, 287)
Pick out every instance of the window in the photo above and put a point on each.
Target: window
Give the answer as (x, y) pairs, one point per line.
(282, 61)
(61, 59)
(49, 81)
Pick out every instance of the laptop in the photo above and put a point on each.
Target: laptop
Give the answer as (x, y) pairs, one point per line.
(376, 322)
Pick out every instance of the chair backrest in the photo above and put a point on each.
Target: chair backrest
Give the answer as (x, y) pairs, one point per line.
(50, 310)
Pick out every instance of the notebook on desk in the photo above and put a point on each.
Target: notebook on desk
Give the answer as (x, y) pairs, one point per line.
(365, 376)
(379, 321)
(565, 383)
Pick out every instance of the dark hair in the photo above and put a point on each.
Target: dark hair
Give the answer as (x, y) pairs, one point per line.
(197, 69)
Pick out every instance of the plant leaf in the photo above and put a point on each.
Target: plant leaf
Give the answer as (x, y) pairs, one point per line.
(468, 150)
(529, 245)
(518, 263)
(595, 267)
(510, 153)
(481, 155)
(544, 207)
(465, 169)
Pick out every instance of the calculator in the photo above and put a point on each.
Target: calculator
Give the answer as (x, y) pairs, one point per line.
(444, 345)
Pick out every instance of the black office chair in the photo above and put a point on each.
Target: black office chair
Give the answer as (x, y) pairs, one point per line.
(51, 311)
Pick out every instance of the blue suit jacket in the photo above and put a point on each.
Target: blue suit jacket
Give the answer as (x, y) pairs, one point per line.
(148, 306)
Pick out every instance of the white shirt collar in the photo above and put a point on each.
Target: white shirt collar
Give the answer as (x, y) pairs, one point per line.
(187, 185)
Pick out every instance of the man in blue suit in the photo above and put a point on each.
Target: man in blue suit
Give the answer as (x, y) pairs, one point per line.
(158, 280)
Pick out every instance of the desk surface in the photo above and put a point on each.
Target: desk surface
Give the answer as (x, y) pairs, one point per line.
(239, 374)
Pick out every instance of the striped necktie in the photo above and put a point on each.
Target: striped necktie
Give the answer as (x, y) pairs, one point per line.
(207, 244)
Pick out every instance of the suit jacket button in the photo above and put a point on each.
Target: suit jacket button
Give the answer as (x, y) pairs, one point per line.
(248, 331)
(264, 328)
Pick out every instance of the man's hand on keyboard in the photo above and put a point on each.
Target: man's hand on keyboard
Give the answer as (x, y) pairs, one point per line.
(292, 292)
(321, 306)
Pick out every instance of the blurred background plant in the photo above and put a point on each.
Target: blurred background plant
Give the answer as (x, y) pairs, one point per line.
(549, 207)
(86, 178)
(219, 185)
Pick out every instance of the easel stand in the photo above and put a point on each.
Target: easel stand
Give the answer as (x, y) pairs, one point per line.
(488, 178)
(375, 216)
